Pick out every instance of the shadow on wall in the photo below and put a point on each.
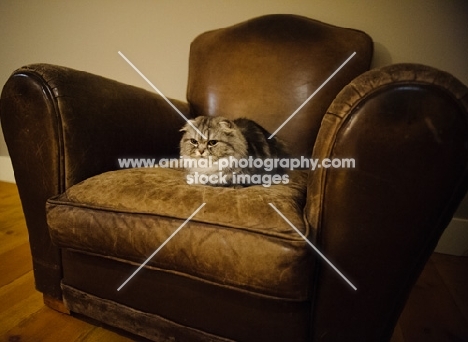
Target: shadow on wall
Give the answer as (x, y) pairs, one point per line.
(3, 147)
(381, 56)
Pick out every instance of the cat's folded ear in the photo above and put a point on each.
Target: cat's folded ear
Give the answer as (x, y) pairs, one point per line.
(226, 126)
(187, 125)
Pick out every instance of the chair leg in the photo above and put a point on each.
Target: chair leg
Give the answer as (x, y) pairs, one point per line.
(55, 304)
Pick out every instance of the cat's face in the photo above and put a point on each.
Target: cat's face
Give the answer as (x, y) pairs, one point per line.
(223, 139)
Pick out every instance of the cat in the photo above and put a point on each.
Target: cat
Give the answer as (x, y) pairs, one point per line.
(238, 139)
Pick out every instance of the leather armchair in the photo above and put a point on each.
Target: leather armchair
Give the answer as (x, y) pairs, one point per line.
(237, 271)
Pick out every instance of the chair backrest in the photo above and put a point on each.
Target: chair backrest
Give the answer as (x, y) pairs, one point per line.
(266, 68)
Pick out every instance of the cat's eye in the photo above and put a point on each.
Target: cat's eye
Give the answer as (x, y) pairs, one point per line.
(212, 142)
(194, 142)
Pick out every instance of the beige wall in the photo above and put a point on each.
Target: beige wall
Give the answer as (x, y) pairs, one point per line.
(155, 35)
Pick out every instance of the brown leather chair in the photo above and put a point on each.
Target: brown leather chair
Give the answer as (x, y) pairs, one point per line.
(237, 270)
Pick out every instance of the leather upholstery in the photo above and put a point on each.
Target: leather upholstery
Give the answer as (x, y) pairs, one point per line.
(265, 68)
(236, 240)
(55, 121)
(188, 304)
(406, 126)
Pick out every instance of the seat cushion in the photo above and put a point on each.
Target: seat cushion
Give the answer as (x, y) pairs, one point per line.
(236, 240)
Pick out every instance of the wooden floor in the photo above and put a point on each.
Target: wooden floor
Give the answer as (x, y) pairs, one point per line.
(437, 310)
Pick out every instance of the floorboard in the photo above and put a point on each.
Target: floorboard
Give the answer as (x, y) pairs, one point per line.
(18, 301)
(431, 313)
(19, 263)
(454, 274)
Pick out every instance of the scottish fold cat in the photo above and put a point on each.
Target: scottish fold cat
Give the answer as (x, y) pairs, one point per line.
(242, 142)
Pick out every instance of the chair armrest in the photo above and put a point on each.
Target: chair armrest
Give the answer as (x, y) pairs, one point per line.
(406, 127)
(62, 126)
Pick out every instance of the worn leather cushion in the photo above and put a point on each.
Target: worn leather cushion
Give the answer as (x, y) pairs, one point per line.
(235, 240)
